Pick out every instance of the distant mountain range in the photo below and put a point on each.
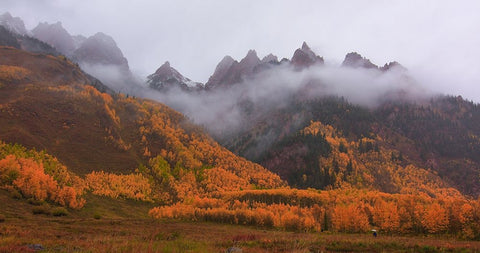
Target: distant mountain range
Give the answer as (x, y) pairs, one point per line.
(98, 54)
(230, 71)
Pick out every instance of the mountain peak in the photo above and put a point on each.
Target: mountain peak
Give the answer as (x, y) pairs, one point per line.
(251, 57)
(167, 77)
(165, 69)
(221, 71)
(102, 35)
(55, 35)
(305, 46)
(270, 58)
(356, 60)
(166, 65)
(393, 65)
(246, 65)
(226, 62)
(304, 57)
(13, 24)
(230, 72)
(252, 53)
(104, 39)
(101, 49)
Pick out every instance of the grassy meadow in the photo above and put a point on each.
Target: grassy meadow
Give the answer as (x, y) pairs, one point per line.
(112, 225)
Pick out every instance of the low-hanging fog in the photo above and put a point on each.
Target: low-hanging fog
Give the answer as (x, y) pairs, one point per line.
(222, 110)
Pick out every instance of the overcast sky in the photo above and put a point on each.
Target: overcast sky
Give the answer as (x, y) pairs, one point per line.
(439, 41)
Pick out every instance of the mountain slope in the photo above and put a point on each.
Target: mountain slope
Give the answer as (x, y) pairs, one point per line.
(24, 42)
(14, 24)
(437, 138)
(97, 55)
(48, 103)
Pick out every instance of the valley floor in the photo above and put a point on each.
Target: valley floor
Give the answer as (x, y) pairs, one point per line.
(144, 235)
(107, 225)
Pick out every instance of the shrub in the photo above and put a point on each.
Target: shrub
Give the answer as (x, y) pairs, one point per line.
(59, 211)
(43, 209)
(97, 216)
(35, 202)
(15, 194)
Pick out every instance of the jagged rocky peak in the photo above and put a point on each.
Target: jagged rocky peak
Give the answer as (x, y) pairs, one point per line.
(305, 57)
(246, 66)
(355, 60)
(270, 58)
(166, 78)
(100, 49)
(267, 62)
(225, 64)
(55, 35)
(393, 65)
(103, 39)
(305, 47)
(230, 72)
(221, 71)
(251, 59)
(13, 24)
(167, 71)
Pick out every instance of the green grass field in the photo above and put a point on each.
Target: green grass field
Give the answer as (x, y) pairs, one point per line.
(107, 225)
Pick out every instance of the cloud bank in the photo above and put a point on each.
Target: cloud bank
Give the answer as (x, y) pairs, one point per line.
(227, 110)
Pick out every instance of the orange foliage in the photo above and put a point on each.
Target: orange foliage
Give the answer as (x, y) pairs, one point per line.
(219, 179)
(386, 216)
(13, 73)
(132, 186)
(340, 210)
(434, 218)
(350, 218)
(192, 163)
(375, 167)
(28, 176)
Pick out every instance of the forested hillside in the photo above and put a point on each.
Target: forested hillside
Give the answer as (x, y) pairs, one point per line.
(48, 103)
(323, 142)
